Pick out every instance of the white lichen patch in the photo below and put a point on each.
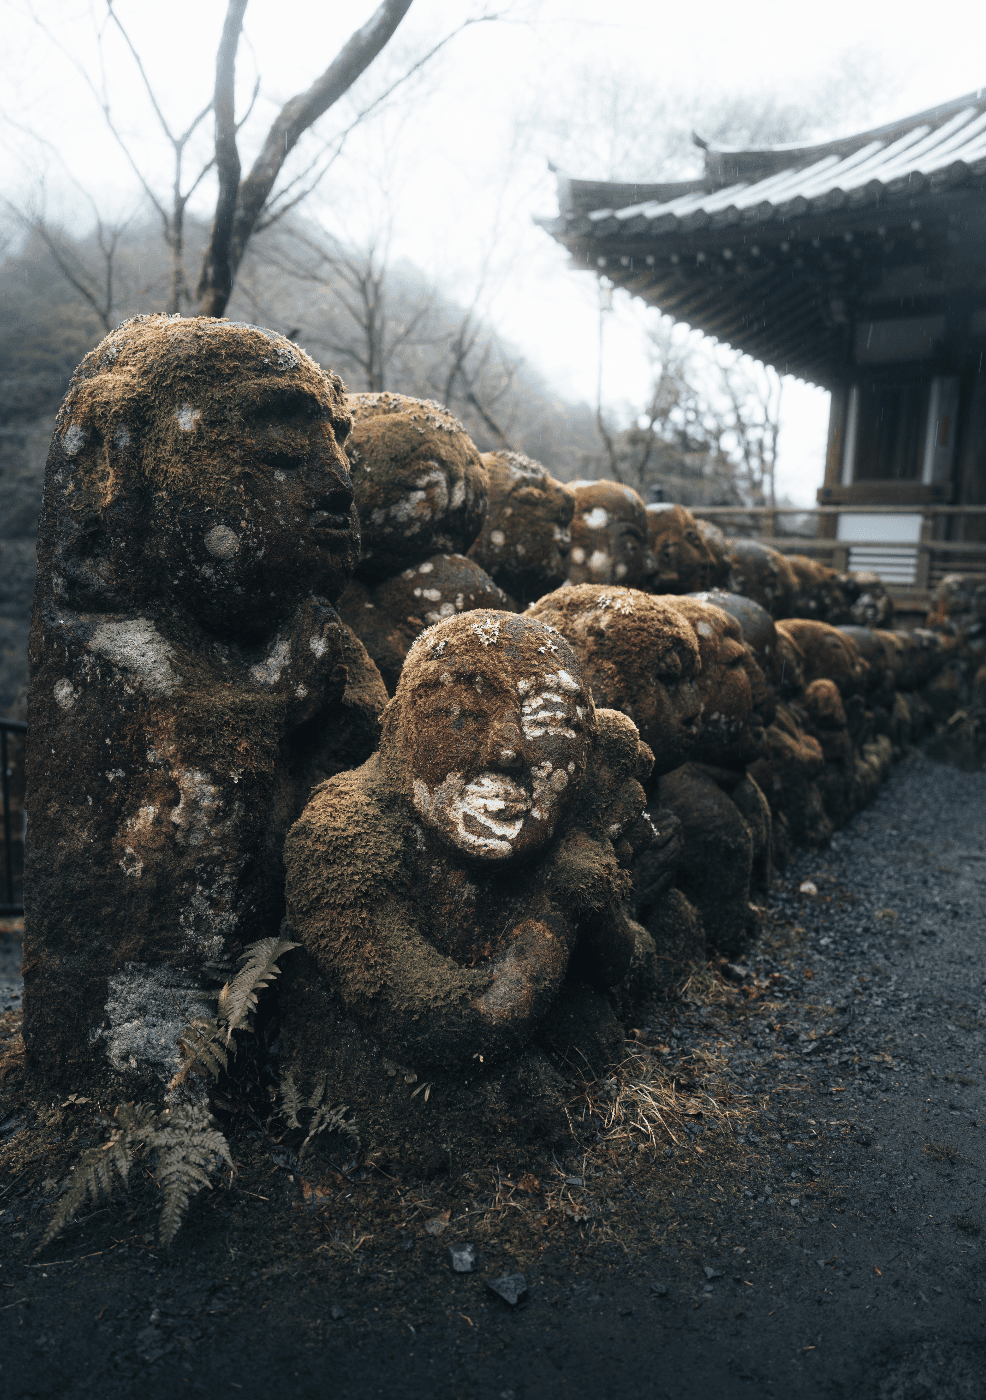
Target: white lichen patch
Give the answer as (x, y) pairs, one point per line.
(222, 542)
(147, 1009)
(498, 538)
(319, 645)
(199, 807)
(705, 629)
(130, 863)
(268, 671)
(65, 693)
(121, 438)
(187, 417)
(488, 632)
(139, 649)
(597, 518)
(73, 440)
(548, 711)
(615, 603)
(483, 816)
(578, 555)
(599, 561)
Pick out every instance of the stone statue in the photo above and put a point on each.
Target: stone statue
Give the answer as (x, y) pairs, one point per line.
(639, 656)
(683, 561)
(609, 535)
(756, 571)
(389, 616)
(459, 896)
(525, 539)
(189, 677)
(421, 490)
(726, 825)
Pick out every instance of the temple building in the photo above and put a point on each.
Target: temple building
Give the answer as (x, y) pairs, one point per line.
(858, 265)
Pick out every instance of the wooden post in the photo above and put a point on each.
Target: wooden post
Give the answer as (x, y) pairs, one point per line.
(924, 555)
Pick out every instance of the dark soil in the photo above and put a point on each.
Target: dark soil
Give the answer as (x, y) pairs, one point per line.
(829, 1243)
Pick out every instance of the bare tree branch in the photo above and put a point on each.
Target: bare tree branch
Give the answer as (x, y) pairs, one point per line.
(217, 271)
(293, 120)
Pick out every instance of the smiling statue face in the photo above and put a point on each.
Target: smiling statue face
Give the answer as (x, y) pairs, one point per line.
(497, 757)
(268, 515)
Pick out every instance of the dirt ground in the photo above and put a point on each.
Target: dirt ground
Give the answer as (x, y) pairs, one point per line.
(781, 1191)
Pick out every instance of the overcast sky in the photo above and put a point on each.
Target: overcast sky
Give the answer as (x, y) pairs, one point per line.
(462, 165)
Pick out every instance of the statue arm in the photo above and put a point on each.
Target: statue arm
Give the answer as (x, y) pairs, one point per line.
(424, 1006)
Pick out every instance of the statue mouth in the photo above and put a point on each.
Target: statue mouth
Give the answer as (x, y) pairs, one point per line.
(492, 811)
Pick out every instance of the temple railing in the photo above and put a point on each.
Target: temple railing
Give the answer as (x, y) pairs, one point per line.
(12, 795)
(911, 547)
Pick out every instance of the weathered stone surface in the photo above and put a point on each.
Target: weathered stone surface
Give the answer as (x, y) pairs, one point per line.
(461, 886)
(609, 535)
(420, 485)
(189, 677)
(526, 537)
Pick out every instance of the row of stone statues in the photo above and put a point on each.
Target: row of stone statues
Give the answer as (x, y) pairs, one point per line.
(509, 755)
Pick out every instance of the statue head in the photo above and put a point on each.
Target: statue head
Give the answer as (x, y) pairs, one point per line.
(489, 733)
(609, 535)
(420, 484)
(639, 656)
(731, 685)
(828, 654)
(197, 464)
(682, 559)
(760, 635)
(525, 540)
(756, 571)
(718, 547)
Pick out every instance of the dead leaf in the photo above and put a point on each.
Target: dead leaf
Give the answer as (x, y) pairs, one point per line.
(528, 1183)
(314, 1194)
(438, 1223)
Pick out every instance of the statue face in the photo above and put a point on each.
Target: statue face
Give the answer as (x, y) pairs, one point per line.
(609, 535)
(683, 561)
(265, 515)
(525, 540)
(496, 761)
(668, 715)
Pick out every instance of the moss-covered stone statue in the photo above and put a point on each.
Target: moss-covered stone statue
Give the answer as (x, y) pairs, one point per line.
(682, 560)
(189, 677)
(609, 535)
(421, 491)
(458, 898)
(526, 537)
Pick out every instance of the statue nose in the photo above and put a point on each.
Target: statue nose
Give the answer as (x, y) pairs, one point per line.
(502, 749)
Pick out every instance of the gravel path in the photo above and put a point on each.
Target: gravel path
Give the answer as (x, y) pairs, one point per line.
(844, 1259)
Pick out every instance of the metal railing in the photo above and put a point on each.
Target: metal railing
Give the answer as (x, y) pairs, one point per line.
(927, 558)
(13, 845)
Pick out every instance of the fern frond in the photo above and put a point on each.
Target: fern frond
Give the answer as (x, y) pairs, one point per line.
(257, 967)
(203, 1051)
(98, 1173)
(290, 1101)
(188, 1145)
(326, 1115)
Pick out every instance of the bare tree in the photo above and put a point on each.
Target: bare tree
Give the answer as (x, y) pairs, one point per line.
(246, 203)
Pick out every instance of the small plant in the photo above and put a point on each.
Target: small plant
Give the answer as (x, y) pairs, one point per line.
(207, 1044)
(188, 1145)
(326, 1116)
